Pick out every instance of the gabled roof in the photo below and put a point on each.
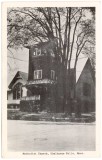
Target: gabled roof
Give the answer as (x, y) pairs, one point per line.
(89, 66)
(24, 75)
(19, 75)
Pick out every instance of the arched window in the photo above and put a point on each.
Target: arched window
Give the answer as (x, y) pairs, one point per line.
(17, 91)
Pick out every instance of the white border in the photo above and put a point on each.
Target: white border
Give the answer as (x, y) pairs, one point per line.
(86, 3)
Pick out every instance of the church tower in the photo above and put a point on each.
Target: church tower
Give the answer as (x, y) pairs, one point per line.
(42, 78)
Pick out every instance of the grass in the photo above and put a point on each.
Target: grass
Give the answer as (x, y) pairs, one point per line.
(44, 116)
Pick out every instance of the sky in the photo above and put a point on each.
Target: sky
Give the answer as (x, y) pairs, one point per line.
(18, 60)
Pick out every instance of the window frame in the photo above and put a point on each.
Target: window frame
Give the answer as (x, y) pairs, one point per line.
(37, 75)
(52, 74)
(35, 53)
(14, 94)
(17, 91)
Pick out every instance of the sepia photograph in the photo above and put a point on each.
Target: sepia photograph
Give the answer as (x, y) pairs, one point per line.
(51, 79)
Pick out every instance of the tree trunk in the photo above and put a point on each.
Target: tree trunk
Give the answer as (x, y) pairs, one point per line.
(75, 77)
(64, 87)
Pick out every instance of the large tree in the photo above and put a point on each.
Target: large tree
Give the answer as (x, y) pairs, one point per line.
(71, 29)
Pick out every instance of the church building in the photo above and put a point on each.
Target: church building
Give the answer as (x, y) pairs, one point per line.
(41, 89)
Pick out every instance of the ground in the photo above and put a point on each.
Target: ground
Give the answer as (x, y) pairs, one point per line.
(50, 136)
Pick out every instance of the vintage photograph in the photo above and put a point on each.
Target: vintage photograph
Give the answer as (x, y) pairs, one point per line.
(51, 70)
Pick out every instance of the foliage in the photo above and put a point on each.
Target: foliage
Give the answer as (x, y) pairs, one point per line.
(66, 26)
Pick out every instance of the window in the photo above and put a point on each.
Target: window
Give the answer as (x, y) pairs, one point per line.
(14, 93)
(37, 52)
(38, 74)
(52, 74)
(86, 89)
(17, 91)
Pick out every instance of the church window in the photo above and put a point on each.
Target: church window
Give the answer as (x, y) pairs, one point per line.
(37, 52)
(38, 74)
(52, 74)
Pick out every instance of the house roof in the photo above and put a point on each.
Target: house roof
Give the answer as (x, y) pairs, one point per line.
(19, 75)
(24, 75)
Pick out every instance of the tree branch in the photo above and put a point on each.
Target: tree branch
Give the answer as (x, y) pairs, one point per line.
(74, 37)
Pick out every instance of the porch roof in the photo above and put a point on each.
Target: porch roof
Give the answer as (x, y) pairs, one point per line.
(44, 81)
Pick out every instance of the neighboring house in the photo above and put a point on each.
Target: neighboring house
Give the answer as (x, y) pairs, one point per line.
(16, 90)
(85, 89)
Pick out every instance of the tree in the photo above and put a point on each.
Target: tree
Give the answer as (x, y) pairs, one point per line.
(71, 29)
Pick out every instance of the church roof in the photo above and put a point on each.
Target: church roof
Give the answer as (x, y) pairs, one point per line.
(89, 66)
